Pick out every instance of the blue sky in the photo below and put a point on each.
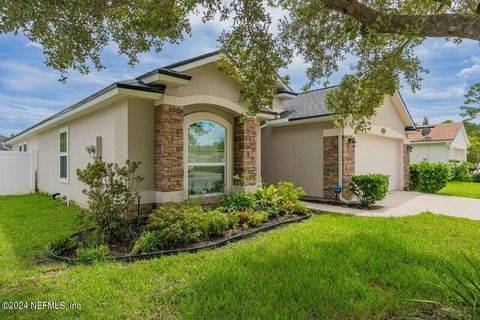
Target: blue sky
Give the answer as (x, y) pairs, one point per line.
(30, 91)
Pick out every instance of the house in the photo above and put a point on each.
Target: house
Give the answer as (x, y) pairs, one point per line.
(303, 146)
(3, 145)
(440, 143)
(183, 122)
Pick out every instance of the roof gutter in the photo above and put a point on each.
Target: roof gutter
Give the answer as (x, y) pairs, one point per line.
(102, 97)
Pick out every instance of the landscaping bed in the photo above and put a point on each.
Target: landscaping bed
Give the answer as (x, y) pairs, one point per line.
(180, 227)
(122, 250)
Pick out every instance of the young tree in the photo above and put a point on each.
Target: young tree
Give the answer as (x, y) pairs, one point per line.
(381, 34)
(471, 106)
(425, 121)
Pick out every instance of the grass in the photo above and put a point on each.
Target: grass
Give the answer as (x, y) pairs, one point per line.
(331, 266)
(462, 189)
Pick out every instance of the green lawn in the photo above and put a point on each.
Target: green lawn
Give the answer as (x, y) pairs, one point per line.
(331, 266)
(462, 189)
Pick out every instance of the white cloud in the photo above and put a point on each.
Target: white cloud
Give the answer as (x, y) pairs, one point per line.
(34, 45)
(473, 71)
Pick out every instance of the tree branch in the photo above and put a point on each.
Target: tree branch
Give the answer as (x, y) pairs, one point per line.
(433, 25)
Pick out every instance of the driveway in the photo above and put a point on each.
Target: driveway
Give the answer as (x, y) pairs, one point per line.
(403, 203)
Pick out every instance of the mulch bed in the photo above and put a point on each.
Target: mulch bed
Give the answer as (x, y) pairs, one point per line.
(341, 204)
(121, 251)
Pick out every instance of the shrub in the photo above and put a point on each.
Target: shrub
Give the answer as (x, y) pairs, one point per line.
(369, 188)
(91, 254)
(428, 177)
(268, 200)
(214, 223)
(290, 198)
(111, 193)
(149, 241)
(63, 246)
(249, 218)
(176, 223)
(460, 171)
(238, 201)
(476, 177)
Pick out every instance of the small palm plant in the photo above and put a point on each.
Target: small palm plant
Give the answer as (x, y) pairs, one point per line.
(463, 286)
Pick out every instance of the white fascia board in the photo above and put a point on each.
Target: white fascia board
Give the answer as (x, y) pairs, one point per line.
(106, 97)
(165, 79)
(139, 94)
(198, 63)
(430, 142)
(286, 96)
(289, 122)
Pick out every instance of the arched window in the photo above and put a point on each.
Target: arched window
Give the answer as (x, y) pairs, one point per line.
(206, 158)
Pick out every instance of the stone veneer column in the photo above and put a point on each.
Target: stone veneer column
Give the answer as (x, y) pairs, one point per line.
(406, 166)
(331, 163)
(245, 152)
(348, 166)
(169, 169)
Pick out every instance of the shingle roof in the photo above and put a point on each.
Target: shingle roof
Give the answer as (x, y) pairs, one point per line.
(439, 132)
(307, 105)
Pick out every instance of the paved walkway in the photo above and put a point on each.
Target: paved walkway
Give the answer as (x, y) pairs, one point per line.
(403, 203)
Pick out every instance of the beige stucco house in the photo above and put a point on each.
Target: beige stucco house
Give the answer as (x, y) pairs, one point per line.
(303, 146)
(440, 143)
(182, 122)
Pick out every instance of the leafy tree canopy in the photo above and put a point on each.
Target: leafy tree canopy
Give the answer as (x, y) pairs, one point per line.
(381, 34)
(471, 106)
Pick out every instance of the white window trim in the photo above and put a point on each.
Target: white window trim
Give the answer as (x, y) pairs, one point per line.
(25, 144)
(67, 154)
(228, 165)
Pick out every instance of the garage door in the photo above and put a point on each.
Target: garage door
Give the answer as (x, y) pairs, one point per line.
(374, 154)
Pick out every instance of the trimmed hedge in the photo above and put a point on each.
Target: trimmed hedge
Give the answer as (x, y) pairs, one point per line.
(428, 177)
(369, 188)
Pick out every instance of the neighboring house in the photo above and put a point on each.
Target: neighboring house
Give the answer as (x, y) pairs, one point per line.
(3, 145)
(183, 122)
(442, 142)
(304, 147)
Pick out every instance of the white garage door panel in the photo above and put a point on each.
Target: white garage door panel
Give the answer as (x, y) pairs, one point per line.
(375, 154)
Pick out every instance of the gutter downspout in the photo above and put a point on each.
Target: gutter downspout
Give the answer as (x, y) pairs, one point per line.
(340, 169)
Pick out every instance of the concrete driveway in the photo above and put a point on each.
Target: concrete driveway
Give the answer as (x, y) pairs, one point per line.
(404, 203)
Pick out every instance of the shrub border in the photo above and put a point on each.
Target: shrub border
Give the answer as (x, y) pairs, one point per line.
(213, 245)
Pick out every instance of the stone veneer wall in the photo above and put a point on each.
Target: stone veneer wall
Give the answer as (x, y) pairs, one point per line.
(331, 162)
(406, 167)
(348, 166)
(168, 148)
(245, 151)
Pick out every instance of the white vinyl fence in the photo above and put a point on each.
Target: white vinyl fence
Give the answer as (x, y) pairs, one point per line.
(17, 172)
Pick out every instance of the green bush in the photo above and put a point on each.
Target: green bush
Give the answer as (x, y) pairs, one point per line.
(149, 241)
(268, 200)
(176, 224)
(248, 218)
(428, 177)
(460, 171)
(476, 177)
(238, 201)
(369, 188)
(111, 192)
(290, 198)
(213, 223)
(91, 254)
(63, 246)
